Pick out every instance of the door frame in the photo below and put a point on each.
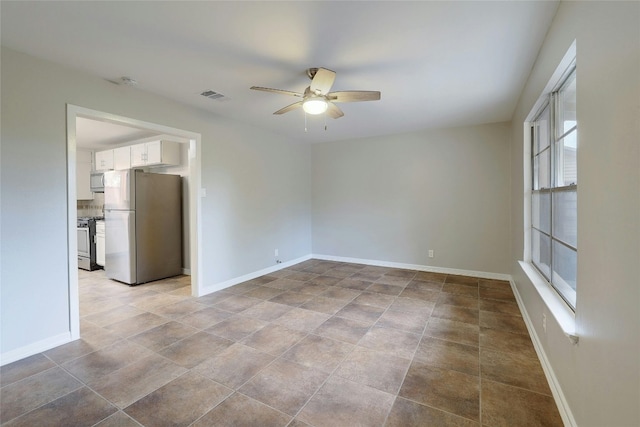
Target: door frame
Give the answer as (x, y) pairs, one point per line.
(195, 228)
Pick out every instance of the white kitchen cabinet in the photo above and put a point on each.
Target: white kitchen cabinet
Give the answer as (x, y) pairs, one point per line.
(155, 153)
(122, 158)
(100, 233)
(104, 160)
(83, 175)
(138, 155)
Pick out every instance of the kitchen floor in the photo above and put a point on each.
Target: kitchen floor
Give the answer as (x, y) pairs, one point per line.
(317, 344)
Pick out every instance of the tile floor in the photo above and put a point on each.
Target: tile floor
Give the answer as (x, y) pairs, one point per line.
(317, 344)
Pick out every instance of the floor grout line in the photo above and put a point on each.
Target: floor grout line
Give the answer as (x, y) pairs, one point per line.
(127, 293)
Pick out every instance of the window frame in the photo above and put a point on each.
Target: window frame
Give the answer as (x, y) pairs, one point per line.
(556, 134)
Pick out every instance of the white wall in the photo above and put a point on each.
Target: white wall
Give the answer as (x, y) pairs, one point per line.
(258, 191)
(600, 377)
(393, 198)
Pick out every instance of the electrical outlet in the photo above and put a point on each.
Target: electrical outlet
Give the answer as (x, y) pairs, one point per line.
(430, 253)
(544, 322)
(276, 253)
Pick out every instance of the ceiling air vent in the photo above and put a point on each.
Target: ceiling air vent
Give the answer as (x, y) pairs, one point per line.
(212, 95)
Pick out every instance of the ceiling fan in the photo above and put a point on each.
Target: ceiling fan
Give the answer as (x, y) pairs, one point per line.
(317, 99)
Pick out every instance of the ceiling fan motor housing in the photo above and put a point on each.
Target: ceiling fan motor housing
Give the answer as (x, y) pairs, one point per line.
(311, 72)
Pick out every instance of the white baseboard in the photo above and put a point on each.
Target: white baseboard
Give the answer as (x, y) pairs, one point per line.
(556, 390)
(186, 271)
(227, 283)
(34, 348)
(480, 274)
(554, 384)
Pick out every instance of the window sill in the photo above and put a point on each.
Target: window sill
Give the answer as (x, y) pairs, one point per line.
(565, 317)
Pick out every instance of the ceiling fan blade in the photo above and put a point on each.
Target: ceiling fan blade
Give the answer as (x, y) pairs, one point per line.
(354, 96)
(322, 81)
(280, 91)
(334, 111)
(289, 108)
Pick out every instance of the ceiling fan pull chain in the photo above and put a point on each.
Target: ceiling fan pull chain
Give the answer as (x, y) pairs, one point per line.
(305, 121)
(325, 121)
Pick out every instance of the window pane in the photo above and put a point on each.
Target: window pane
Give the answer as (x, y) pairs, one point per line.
(541, 169)
(565, 262)
(567, 106)
(535, 210)
(565, 216)
(542, 139)
(541, 252)
(567, 160)
(541, 211)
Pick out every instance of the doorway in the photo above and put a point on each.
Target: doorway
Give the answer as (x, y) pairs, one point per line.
(193, 140)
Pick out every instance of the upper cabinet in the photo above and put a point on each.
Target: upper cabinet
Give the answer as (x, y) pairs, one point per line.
(155, 153)
(122, 158)
(138, 155)
(83, 175)
(104, 160)
(148, 154)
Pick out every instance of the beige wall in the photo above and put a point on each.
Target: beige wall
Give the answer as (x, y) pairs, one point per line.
(394, 198)
(258, 191)
(456, 191)
(600, 377)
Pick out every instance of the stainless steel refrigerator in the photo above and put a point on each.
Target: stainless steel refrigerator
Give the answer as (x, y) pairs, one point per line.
(143, 226)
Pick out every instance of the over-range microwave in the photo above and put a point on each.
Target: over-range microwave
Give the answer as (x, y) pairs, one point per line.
(97, 182)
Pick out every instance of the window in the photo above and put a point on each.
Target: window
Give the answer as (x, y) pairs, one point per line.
(554, 209)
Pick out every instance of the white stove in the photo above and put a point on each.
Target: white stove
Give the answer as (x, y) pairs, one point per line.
(87, 243)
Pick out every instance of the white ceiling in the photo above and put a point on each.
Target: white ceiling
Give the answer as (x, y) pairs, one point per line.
(97, 134)
(437, 64)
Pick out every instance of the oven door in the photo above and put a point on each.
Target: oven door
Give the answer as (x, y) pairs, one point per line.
(84, 245)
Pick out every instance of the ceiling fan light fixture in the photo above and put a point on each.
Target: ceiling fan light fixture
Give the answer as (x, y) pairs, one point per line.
(315, 105)
(317, 97)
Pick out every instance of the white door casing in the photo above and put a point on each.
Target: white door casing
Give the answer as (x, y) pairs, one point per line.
(194, 157)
